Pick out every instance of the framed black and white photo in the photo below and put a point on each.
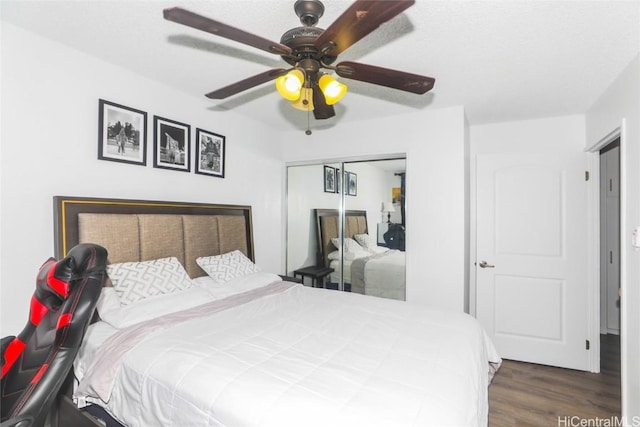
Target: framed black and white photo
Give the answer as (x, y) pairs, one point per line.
(210, 152)
(122, 135)
(351, 181)
(171, 144)
(330, 180)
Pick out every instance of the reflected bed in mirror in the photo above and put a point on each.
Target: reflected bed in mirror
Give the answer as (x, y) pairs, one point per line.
(366, 267)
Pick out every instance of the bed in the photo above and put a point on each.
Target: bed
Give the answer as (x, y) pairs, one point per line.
(367, 268)
(242, 347)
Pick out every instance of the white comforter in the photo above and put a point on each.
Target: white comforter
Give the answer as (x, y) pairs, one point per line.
(384, 275)
(296, 356)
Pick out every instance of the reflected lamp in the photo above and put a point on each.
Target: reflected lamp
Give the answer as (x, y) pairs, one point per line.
(388, 208)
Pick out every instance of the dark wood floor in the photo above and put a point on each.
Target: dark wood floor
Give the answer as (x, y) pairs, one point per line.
(525, 394)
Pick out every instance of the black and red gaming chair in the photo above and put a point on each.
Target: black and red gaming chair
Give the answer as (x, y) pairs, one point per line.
(36, 363)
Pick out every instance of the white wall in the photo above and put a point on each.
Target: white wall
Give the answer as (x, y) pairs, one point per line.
(550, 135)
(434, 144)
(374, 187)
(621, 103)
(49, 147)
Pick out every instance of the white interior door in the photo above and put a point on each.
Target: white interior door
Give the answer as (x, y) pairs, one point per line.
(531, 256)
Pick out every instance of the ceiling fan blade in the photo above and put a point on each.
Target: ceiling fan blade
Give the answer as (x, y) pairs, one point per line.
(394, 79)
(361, 18)
(321, 110)
(191, 19)
(245, 84)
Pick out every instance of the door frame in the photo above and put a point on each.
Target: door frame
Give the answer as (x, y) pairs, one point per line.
(593, 152)
(604, 290)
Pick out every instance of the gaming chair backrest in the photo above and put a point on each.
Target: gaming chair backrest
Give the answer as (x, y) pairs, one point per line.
(37, 361)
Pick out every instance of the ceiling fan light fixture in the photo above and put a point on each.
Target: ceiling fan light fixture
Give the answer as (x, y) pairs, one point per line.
(309, 49)
(305, 101)
(290, 85)
(332, 89)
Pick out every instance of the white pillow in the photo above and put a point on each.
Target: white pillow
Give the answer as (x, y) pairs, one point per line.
(366, 241)
(134, 281)
(349, 256)
(225, 267)
(108, 301)
(350, 245)
(378, 249)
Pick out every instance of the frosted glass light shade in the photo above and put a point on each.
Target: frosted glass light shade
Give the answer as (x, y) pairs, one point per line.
(332, 89)
(305, 100)
(289, 86)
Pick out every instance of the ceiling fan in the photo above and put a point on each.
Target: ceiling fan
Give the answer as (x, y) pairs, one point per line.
(309, 50)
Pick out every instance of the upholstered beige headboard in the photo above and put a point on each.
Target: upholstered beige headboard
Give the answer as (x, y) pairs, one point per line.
(328, 226)
(140, 230)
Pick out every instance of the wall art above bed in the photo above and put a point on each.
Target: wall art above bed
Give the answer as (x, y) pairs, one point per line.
(171, 144)
(122, 135)
(210, 152)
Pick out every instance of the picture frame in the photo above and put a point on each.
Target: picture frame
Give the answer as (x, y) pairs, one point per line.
(351, 182)
(171, 144)
(122, 133)
(396, 192)
(330, 180)
(210, 153)
(343, 182)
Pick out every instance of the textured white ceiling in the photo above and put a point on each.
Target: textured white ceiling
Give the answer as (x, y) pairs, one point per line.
(502, 60)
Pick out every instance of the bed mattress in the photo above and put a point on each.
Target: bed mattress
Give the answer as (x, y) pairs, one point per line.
(283, 354)
(381, 274)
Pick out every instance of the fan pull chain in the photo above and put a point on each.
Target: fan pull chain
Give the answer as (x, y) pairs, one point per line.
(308, 131)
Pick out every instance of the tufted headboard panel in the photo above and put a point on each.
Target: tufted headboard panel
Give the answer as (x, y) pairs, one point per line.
(138, 230)
(328, 226)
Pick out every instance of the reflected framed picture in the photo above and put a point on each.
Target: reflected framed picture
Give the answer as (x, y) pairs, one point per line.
(330, 180)
(396, 192)
(122, 135)
(351, 181)
(171, 144)
(210, 153)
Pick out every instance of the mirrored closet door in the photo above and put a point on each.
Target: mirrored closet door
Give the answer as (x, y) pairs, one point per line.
(346, 226)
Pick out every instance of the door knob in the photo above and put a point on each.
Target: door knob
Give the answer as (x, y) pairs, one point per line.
(485, 264)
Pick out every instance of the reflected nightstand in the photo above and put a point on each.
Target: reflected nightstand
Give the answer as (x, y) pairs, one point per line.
(317, 274)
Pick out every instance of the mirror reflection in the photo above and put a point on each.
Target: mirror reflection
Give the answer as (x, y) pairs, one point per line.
(361, 251)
